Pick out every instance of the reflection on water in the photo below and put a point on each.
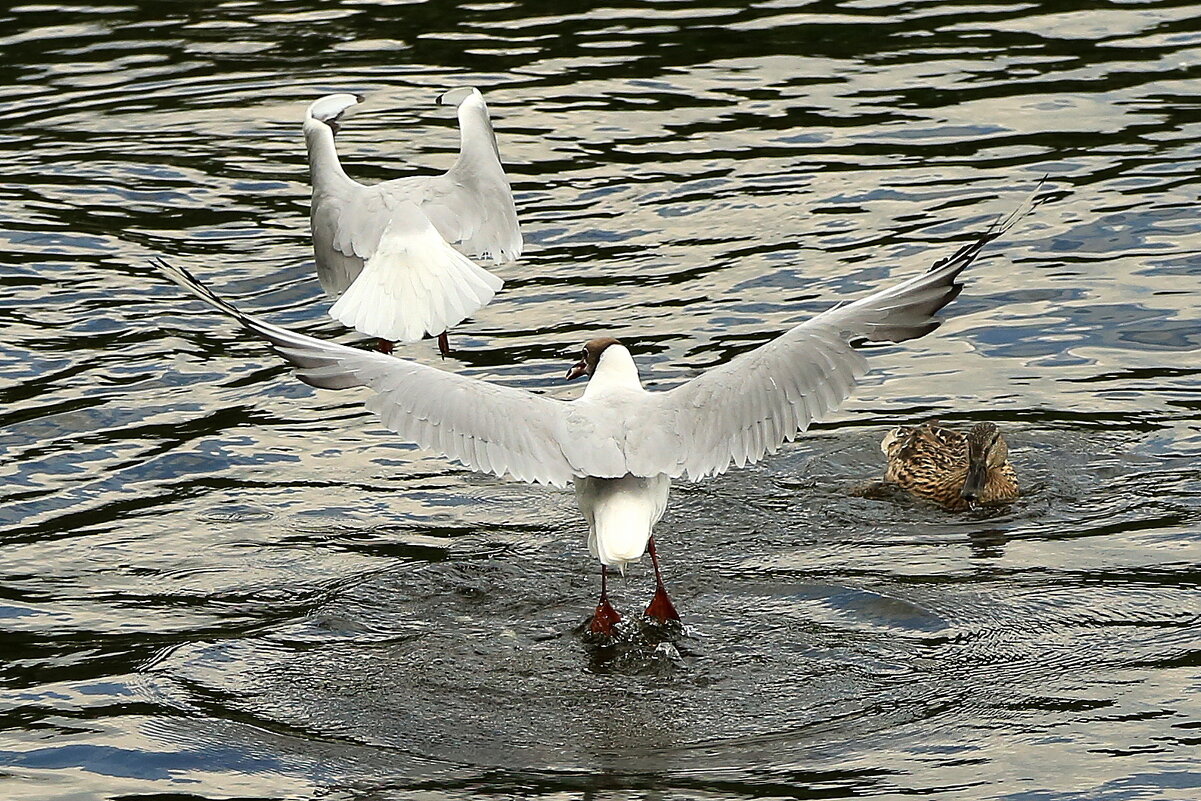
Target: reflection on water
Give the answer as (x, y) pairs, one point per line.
(218, 583)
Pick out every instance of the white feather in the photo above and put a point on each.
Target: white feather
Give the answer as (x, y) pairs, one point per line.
(621, 513)
(415, 284)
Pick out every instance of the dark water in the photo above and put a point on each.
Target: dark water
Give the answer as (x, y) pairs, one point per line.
(217, 583)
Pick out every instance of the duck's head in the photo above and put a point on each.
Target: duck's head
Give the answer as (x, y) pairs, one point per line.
(891, 437)
(986, 450)
(590, 357)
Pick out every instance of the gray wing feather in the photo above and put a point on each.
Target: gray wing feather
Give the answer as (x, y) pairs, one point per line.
(347, 225)
(335, 270)
(487, 427)
(472, 209)
(740, 411)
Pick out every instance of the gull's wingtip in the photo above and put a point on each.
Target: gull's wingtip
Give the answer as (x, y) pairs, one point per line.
(1032, 201)
(177, 275)
(1004, 223)
(1035, 199)
(330, 108)
(185, 280)
(454, 97)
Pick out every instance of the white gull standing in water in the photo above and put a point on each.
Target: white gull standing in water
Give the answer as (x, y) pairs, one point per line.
(388, 249)
(619, 444)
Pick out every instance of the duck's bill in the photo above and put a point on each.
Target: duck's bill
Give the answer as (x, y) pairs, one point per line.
(577, 370)
(974, 485)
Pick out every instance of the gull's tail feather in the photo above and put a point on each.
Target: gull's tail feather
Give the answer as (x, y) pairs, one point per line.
(415, 284)
(621, 513)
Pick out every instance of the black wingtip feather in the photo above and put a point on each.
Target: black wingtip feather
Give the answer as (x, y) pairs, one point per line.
(997, 229)
(184, 279)
(940, 285)
(310, 358)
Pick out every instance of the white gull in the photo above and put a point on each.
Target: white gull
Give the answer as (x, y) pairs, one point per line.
(388, 249)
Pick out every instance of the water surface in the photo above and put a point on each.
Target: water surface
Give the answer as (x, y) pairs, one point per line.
(216, 582)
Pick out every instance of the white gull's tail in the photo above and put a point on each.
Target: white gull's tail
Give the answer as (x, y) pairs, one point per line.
(621, 513)
(414, 284)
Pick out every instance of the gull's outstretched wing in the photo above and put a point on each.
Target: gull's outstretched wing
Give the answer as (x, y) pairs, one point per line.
(740, 411)
(487, 427)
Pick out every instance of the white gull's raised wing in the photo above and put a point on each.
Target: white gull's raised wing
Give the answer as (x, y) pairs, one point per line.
(472, 204)
(487, 427)
(738, 412)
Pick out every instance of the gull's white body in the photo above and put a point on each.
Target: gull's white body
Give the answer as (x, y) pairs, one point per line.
(387, 249)
(620, 444)
(621, 512)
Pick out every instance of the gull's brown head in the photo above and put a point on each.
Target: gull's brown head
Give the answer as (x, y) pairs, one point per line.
(590, 357)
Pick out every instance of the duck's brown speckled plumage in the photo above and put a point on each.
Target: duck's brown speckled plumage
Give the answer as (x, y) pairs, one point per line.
(932, 462)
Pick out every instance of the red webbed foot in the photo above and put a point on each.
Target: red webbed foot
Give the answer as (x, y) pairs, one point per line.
(661, 608)
(604, 620)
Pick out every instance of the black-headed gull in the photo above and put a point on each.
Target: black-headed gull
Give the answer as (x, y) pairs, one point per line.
(619, 444)
(388, 249)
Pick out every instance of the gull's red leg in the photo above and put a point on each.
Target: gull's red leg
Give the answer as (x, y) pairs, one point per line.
(606, 616)
(661, 608)
(443, 344)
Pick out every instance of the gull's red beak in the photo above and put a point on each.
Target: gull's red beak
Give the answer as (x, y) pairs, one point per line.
(577, 370)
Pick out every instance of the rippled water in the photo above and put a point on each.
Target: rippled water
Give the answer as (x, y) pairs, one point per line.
(216, 582)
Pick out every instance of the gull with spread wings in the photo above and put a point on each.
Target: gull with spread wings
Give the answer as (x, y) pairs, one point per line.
(386, 251)
(618, 443)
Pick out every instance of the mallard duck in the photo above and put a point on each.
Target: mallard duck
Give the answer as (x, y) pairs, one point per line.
(952, 469)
